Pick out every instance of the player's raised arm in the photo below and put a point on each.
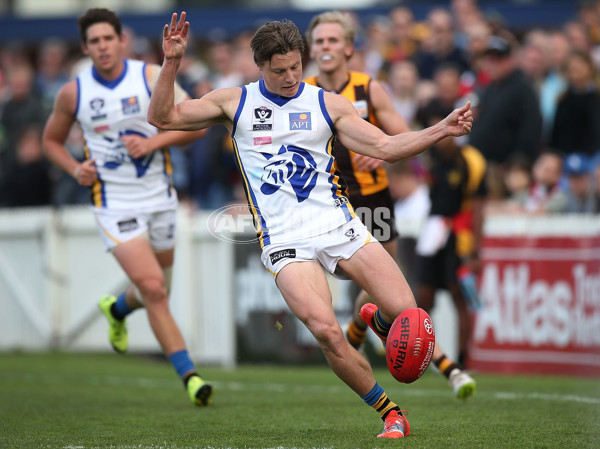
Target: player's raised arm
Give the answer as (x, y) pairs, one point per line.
(369, 140)
(215, 107)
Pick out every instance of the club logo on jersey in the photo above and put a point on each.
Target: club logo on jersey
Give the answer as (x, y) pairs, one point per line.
(283, 254)
(128, 225)
(300, 121)
(96, 105)
(263, 119)
(291, 164)
(130, 105)
(120, 155)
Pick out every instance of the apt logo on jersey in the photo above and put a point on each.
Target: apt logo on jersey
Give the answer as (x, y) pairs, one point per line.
(262, 119)
(291, 164)
(351, 234)
(300, 121)
(130, 105)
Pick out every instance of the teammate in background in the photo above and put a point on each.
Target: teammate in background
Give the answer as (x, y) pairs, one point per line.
(283, 131)
(448, 246)
(330, 36)
(128, 170)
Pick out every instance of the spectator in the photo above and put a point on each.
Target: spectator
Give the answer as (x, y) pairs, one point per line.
(27, 181)
(577, 36)
(402, 83)
(555, 81)
(475, 78)
(465, 13)
(448, 92)
(51, 71)
(580, 193)
(546, 194)
(401, 44)
(532, 58)
(439, 47)
(517, 182)
(508, 115)
(377, 36)
(224, 74)
(577, 120)
(22, 108)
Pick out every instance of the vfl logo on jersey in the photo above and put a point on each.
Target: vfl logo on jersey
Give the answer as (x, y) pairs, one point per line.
(351, 234)
(291, 164)
(130, 105)
(283, 254)
(97, 104)
(262, 119)
(300, 121)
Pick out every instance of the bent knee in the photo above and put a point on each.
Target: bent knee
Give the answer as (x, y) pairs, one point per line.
(328, 333)
(152, 289)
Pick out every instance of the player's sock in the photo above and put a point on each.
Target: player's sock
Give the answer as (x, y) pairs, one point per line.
(183, 365)
(380, 325)
(356, 334)
(378, 399)
(119, 310)
(445, 365)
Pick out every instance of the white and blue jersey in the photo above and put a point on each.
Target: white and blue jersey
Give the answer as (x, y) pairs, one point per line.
(284, 146)
(108, 110)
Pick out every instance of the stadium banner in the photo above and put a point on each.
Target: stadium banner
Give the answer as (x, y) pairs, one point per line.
(541, 304)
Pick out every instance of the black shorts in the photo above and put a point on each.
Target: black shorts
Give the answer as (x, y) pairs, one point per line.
(376, 211)
(439, 270)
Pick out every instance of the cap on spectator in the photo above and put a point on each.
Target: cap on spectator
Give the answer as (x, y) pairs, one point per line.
(577, 164)
(498, 46)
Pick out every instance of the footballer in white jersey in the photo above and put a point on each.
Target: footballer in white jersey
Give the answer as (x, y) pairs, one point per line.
(107, 111)
(283, 145)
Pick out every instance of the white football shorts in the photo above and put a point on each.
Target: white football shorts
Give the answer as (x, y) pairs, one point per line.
(327, 249)
(118, 226)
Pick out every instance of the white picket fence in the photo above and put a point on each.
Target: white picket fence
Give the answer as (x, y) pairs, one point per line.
(53, 269)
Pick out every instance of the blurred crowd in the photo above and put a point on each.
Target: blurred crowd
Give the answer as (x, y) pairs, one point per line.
(534, 95)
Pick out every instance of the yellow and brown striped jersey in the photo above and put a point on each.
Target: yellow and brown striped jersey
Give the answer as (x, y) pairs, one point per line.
(358, 183)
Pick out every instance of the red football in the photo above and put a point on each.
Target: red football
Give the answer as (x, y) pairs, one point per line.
(409, 345)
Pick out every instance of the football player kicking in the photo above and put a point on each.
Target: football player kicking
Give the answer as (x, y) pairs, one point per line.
(304, 221)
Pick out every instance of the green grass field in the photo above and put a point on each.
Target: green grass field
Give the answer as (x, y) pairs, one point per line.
(110, 401)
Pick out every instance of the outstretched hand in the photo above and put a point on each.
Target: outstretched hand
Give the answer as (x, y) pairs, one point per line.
(175, 37)
(460, 121)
